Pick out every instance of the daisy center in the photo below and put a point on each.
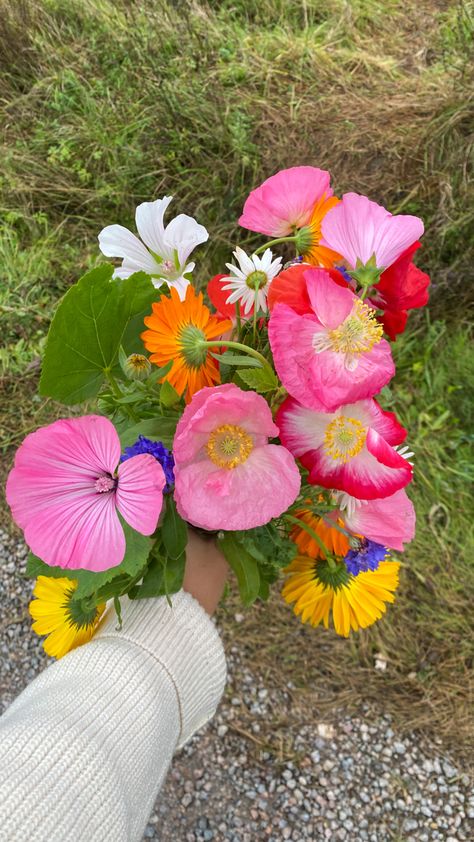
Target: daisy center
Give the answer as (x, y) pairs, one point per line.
(256, 279)
(358, 333)
(104, 483)
(229, 446)
(344, 438)
(190, 338)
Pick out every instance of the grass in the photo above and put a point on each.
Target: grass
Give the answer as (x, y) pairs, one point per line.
(105, 104)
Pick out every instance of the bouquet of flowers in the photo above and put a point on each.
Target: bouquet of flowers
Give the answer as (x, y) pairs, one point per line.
(252, 416)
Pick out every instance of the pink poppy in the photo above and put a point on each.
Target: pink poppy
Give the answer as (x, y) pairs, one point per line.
(334, 354)
(227, 476)
(285, 201)
(65, 495)
(389, 521)
(360, 230)
(349, 450)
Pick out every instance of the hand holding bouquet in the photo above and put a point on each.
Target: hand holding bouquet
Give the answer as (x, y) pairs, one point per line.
(255, 420)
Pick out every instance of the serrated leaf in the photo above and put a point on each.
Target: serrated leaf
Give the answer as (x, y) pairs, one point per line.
(244, 566)
(261, 380)
(237, 359)
(93, 320)
(162, 428)
(136, 553)
(174, 530)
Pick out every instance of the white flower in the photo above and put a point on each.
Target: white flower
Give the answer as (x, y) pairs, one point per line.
(166, 251)
(252, 279)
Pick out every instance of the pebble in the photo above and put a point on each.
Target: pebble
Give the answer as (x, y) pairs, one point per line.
(352, 776)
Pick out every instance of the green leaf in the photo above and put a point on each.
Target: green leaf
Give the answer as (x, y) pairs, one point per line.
(136, 554)
(244, 566)
(162, 428)
(174, 530)
(164, 576)
(237, 359)
(261, 379)
(168, 395)
(94, 319)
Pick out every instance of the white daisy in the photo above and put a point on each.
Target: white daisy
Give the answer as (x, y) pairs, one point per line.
(166, 251)
(253, 278)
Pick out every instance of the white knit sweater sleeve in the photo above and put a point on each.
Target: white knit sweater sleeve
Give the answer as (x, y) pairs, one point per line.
(85, 748)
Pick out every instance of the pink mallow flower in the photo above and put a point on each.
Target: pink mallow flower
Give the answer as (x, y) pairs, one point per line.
(285, 201)
(349, 450)
(334, 354)
(65, 493)
(227, 475)
(361, 230)
(389, 521)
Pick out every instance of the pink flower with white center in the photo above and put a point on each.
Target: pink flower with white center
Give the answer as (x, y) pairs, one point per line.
(350, 450)
(334, 354)
(66, 494)
(164, 252)
(389, 521)
(227, 475)
(362, 230)
(285, 201)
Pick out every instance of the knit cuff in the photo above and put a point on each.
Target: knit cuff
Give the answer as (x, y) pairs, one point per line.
(185, 641)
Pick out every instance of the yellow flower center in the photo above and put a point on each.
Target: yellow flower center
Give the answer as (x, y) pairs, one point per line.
(229, 446)
(344, 438)
(358, 333)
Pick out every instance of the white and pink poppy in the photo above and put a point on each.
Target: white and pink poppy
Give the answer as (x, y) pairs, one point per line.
(350, 450)
(66, 493)
(334, 354)
(361, 231)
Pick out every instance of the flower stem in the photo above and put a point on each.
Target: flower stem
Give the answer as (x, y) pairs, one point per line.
(275, 243)
(239, 346)
(118, 393)
(238, 319)
(322, 546)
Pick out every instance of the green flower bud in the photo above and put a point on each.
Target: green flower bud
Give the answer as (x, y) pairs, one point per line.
(137, 367)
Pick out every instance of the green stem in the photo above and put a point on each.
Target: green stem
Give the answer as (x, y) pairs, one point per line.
(238, 319)
(239, 346)
(275, 243)
(312, 533)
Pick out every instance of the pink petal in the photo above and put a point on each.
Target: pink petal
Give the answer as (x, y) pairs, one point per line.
(301, 429)
(80, 532)
(386, 424)
(211, 408)
(247, 496)
(139, 495)
(285, 200)
(389, 521)
(331, 302)
(59, 461)
(358, 228)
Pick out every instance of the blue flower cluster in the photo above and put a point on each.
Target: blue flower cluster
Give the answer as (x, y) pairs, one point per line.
(161, 454)
(366, 557)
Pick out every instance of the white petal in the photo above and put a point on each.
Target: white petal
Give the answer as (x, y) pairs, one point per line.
(246, 263)
(180, 285)
(149, 220)
(183, 234)
(123, 272)
(117, 241)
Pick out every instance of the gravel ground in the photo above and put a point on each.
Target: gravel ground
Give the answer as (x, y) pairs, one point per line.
(264, 771)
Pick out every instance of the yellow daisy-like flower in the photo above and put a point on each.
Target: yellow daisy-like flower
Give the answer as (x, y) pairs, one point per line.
(175, 330)
(65, 623)
(318, 586)
(317, 254)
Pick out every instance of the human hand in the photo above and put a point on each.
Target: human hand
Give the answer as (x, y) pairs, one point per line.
(206, 571)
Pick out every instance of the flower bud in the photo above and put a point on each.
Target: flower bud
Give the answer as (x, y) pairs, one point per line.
(137, 367)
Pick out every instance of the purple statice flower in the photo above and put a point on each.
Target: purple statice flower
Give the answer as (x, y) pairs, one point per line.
(161, 454)
(367, 556)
